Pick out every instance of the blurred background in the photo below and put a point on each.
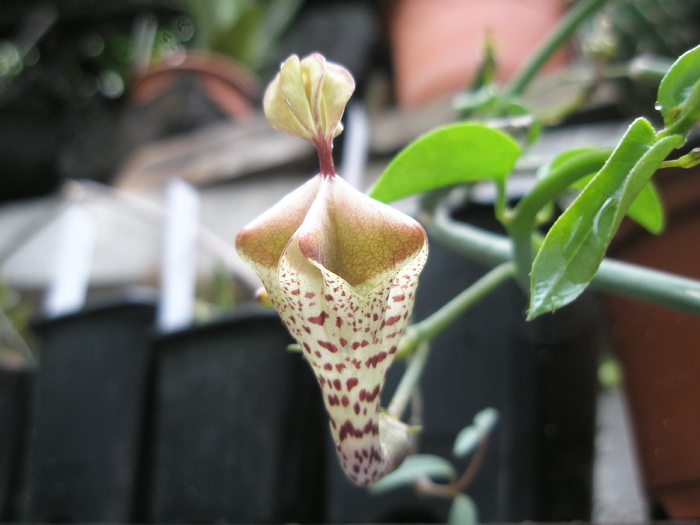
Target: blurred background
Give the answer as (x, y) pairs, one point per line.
(133, 149)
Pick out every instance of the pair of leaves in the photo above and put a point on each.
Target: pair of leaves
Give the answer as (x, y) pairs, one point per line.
(575, 245)
(572, 252)
(646, 209)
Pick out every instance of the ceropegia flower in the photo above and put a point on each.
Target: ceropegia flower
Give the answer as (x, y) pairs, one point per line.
(341, 269)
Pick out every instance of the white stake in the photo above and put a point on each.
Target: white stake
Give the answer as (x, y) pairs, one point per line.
(179, 256)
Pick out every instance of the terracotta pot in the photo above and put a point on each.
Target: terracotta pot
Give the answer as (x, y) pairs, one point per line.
(437, 46)
(659, 350)
(228, 84)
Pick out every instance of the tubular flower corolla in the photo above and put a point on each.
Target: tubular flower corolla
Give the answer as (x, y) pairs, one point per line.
(341, 270)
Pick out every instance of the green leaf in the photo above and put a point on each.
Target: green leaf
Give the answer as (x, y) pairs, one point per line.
(677, 83)
(414, 467)
(575, 245)
(470, 437)
(647, 208)
(682, 118)
(463, 511)
(678, 98)
(463, 152)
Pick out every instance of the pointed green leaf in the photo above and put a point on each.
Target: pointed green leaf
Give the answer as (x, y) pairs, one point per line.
(678, 98)
(470, 437)
(678, 82)
(463, 152)
(575, 245)
(463, 511)
(682, 118)
(647, 209)
(414, 467)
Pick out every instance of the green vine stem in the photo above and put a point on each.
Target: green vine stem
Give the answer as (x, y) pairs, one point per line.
(562, 32)
(688, 160)
(416, 341)
(409, 380)
(630, 280)
(427, 487)
(432, 325)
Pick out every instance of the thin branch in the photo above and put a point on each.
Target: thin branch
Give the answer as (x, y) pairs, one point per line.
(561, 33)
(409, 381)
(630, 280)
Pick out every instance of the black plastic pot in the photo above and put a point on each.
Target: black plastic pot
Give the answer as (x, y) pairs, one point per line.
(88, 422)
(238, 426)
(540, 376)
(15, 403)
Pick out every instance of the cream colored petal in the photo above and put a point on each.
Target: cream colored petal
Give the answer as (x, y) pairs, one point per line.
(276, 103)
(338, 87)
(260, 244)
(295, 84)
(314, 67)
(356, 237)
(340, 333)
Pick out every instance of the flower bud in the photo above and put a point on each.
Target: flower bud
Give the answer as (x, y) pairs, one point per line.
(307, 98)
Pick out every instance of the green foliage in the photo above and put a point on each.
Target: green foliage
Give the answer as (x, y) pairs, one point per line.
(464, 152)
(610, 185)
(244, 29)
(463, 511)
(646, 209)
(413, 468)
(575, 245)
(469, 437)
(678, 97)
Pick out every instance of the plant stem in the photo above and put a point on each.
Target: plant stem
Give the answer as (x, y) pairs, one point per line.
(550, 187)
(501, 205)
(629, 280)
(688, 160)
(431, 326)
(646, 284)
(409, 381)
(561, 33)
(416, 340)
(427, 487)
(479, 245)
